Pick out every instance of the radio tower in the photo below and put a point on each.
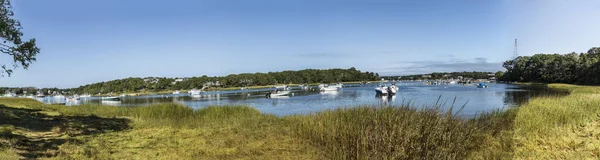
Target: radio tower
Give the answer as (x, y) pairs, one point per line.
(515, 53)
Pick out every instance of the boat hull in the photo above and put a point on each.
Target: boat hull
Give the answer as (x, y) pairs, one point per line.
(111, 99)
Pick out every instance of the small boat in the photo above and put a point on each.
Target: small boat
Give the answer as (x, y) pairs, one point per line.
(482, 85)
(330, 87)
(392, 89)
(74, 97)
(381, 90)
(194, 92)
(113, 98)
(452, 82)
(277, 93)
(8, 94)
(40, 95)
(244, 88)
(176, 92)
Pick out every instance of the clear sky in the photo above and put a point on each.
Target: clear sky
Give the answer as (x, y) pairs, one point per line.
(85, 41)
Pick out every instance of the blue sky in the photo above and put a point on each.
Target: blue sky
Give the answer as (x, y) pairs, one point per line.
(84, 42)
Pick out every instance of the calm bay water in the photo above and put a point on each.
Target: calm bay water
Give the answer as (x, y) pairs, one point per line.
(476, 100)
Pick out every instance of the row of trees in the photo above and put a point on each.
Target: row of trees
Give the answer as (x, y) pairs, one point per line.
(582, 68)
(233, 80)
(442, 75)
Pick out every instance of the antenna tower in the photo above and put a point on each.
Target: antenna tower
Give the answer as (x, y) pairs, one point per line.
(515, 53)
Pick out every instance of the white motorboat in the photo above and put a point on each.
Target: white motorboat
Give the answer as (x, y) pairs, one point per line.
(40, 95)
(381, 90)
(452, 82)
(9, 94)
(176, 92)
(334, 87)
(392, 89)
(278, 93)
(113, 98)
(74, 97)
(194, 92)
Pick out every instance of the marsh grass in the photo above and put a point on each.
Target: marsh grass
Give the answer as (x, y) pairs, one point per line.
(566, 127)
(400, 132)
(174, 131)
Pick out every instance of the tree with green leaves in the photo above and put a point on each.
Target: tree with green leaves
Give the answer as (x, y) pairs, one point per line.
(22, 52)
(555, 68)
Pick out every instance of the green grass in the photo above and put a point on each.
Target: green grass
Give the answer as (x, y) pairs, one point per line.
(545, 128)
(172, 131)
(560, 127)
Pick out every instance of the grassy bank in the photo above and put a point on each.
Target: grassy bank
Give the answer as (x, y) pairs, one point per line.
(170, 131)
(566, 127)
(560, 127)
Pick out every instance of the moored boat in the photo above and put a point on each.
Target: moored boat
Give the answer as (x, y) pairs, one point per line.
(176, 92)
(330, 87)
(381, 90)
(194, 92)
(482, 85)
(392, 89)
(10, 94)
(278, 93)
(113, 98)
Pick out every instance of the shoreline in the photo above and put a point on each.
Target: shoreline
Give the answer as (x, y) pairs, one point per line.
(215, 89)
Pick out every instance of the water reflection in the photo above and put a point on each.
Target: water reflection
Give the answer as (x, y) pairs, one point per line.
(111, 103)
(305, 101)
(385, 99)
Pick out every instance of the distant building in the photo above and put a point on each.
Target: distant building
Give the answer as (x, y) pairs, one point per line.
(150, 80)
(178, 80)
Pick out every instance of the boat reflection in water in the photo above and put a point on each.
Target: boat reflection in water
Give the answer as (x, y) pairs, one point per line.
(275, 96)
(385, 99)
(111, 103)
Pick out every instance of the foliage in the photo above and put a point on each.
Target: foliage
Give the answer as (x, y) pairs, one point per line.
(443, 75)
(555, 68)
(233, 80)
(22, 52)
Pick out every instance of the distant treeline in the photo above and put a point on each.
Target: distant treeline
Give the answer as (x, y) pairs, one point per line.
(154, 84)
(442, 75)
(582, 68)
